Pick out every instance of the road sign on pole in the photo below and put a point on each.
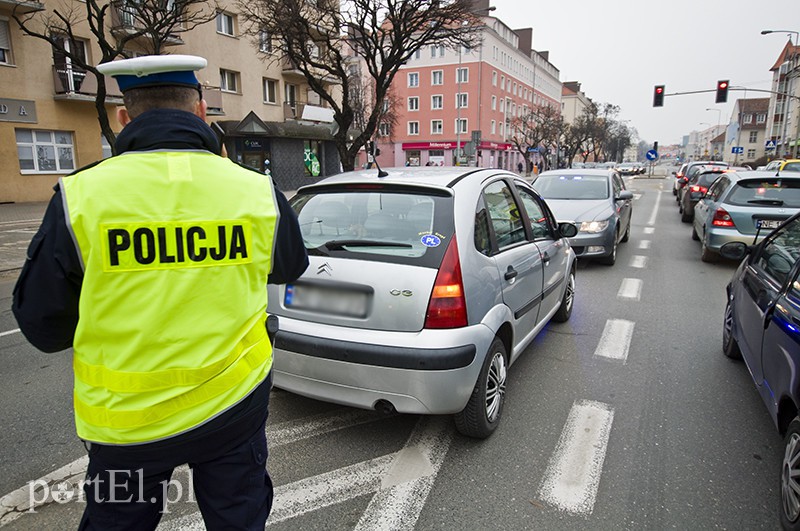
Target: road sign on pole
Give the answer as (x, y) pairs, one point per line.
(737, 150)
(651, 154)
(770, 144)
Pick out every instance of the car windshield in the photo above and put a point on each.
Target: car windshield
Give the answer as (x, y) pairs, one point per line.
(792, 166)
(705, 179)
(572, 186)
(374, 222)
(766, 192)
(694, 170)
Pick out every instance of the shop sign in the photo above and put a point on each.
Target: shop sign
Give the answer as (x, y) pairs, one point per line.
(23, 111)
(253, 144)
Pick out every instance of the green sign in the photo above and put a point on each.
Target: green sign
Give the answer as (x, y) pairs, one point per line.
(311, 162)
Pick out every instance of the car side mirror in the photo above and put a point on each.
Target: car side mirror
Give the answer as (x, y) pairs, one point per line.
(675, 173)
(623, 195)
(735, 250)
(567, 229)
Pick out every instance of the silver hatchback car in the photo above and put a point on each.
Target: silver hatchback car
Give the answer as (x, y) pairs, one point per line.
(423, 287)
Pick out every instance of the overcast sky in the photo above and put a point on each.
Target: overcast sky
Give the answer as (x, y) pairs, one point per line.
(620, 49)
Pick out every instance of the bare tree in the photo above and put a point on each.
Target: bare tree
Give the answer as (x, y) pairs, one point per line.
(117, 27)
(541, 127)
(319, 41)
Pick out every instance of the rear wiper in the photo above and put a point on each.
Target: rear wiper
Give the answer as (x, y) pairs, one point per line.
(772, 202)
(341, 244)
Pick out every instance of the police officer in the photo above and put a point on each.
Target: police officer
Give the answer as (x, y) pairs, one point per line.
(152, 265)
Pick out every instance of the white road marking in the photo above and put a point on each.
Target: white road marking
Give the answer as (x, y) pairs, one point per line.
(14, 504)
(401, 482)
(652, 220)
(631, 288)
(573, 473)
(644, 244)
(636, 197)
(649, 230)
(8, 333)
(638, 261)
(616, 340)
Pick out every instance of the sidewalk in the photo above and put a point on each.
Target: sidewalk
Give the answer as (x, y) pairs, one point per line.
(18, 224)
(11, 212)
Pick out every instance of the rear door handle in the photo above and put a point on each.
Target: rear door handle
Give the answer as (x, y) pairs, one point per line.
(546, 258)
(511, 273)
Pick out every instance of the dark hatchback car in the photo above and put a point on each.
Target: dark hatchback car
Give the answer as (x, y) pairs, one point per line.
(762, 325)
(695, 189)
(689, 170)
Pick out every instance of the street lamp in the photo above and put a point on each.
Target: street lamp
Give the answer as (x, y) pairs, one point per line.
(789, 90)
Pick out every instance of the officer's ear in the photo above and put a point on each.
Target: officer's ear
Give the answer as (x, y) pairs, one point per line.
(122, 116)
(200, 109)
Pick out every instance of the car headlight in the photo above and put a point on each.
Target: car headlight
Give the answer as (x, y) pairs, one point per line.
(593, 227)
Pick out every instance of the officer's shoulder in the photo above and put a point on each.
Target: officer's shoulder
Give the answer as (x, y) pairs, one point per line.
(249, 168)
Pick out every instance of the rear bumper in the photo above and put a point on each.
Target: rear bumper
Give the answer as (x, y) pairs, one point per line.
(426, 372)
(718, 236)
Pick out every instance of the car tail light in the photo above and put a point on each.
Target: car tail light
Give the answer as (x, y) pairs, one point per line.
(448, 307)
(701, 189)
(722, 219)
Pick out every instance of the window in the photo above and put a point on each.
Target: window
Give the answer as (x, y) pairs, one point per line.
(270, 91)
(436, 102)
(751, 153)
(45, 151)
(494, 103)
(413, 128)
(313, 49)
(494, 79)
(417, 54)
(433, 50)
(747, 118)
(70, 75)
(436, 127)
(503, 105)
(437, 77)
(502, 82)
(753, 137)
(228, 80)
(264, 42)
(779, 255)
(290, 95)
(494, 127)
(413, 103)
(761, 118)
(461, 99)
(5, 43)
(441, 50)
(463, 75)
(500, 208)
(463, 123)
(225, 23)
(383, 129)
(413, 79)
(539, 224)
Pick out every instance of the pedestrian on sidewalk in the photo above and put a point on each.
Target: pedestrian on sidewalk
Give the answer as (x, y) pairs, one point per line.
(152, 265)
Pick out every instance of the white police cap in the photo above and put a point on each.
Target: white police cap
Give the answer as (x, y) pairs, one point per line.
(154, 71)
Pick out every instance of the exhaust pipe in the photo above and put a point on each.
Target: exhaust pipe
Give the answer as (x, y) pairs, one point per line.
(384, 407)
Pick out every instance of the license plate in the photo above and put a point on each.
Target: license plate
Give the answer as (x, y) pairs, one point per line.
(335, 301)
(768, 223)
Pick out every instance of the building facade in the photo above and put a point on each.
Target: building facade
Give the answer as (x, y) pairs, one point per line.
(456, 106)
(783, 119)
(746, 131)
(49, 125)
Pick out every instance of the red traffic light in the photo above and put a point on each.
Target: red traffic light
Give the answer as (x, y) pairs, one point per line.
(658, 96)
(722, 91)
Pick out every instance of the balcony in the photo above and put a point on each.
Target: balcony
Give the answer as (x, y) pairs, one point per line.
(292, 73)
(307, 112)
(72, 83)
(213, 97)
(21, 7)
(124, 22)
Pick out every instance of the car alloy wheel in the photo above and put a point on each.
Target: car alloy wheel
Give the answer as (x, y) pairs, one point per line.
(481, 415)
(495, 386)
(565, 310)
(790, 471)
(729, 346)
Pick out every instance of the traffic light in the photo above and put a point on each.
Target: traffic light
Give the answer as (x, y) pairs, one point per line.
(658, 96)
(722, 91)
(655, 146)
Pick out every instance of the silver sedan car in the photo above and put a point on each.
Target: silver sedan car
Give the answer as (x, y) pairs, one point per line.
(423, 287)
(598, 203)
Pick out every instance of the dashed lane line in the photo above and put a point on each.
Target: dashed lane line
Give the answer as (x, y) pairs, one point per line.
(638, 261)
(652, 220)
(616, 340)
(9, 332)
(649, 230)
(630, 289)
(644, 244)
(573, 473)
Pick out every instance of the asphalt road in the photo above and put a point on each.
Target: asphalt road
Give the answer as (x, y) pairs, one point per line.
(647, 426)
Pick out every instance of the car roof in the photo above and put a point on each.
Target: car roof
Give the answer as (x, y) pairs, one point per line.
(761, 174)
(436, 176)
(587, 171)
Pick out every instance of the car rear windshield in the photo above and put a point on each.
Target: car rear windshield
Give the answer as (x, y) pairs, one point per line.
(792, 166)
(375, 222)
(694, 170)
(572, 186)
(706, 179)
(776, 192)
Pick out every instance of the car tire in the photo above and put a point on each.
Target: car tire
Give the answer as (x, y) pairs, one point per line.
(695, 237)
(627, 235)
(567, 301)
(729, 345)
(686, 216)
(789, 499)
(707, 255)
(611, 259)
(482, 413)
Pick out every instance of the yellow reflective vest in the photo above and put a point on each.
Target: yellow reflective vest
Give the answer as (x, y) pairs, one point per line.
(176, 248)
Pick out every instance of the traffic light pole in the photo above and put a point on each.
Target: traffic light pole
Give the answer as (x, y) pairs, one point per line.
(745, 89)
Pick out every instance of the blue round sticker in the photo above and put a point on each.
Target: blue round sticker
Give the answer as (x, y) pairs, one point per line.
(429, 240)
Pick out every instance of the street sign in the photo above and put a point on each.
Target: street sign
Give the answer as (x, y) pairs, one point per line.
(770, 144)
(737, 150)
(651, 154)
(533, 150)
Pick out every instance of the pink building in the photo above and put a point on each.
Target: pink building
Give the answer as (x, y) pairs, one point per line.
(441, 97)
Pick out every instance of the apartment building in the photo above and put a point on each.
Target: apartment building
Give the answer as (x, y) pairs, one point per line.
(783, 119)
(450, 102)
(747, 130)
(49, 125)
(573, 101)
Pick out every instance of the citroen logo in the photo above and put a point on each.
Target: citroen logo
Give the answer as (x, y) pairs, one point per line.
(325, 268)
(404, 292)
